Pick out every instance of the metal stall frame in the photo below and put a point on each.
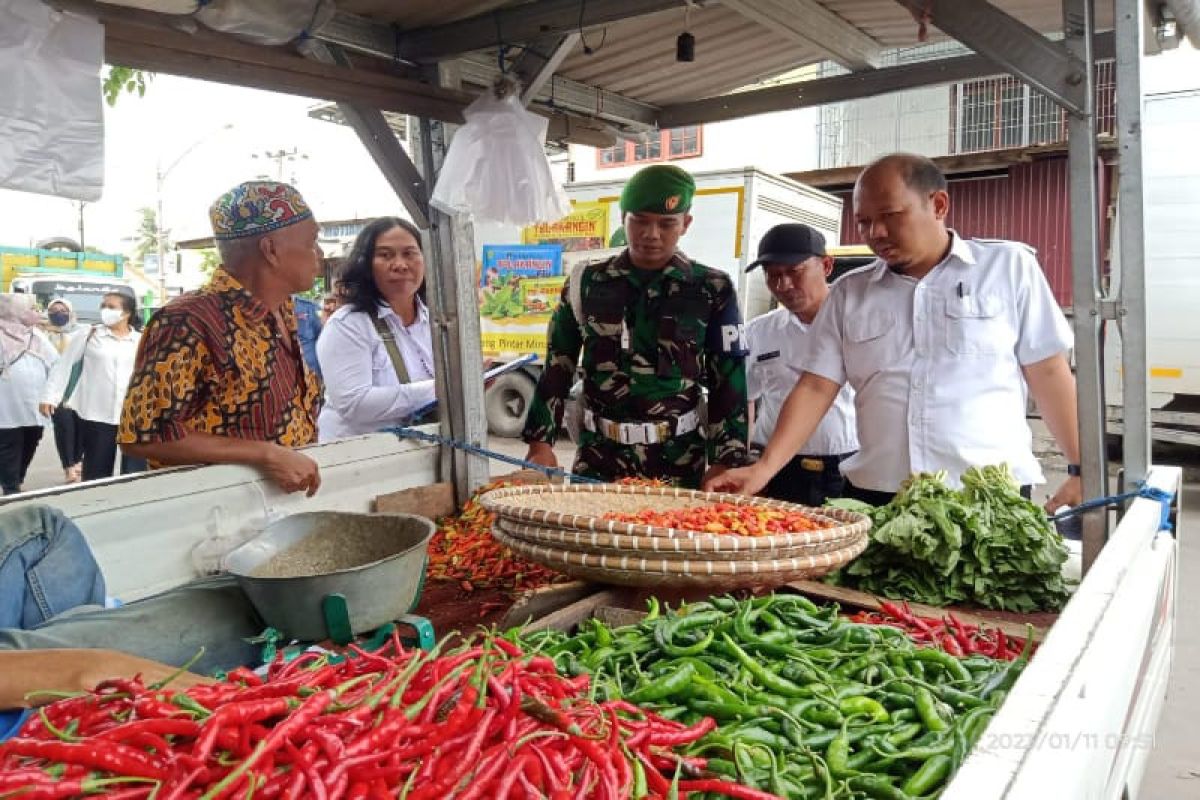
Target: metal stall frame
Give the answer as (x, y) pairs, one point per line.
(368, 67)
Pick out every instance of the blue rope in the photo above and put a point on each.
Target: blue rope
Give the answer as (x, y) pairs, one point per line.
(552, 472)
(1164, 498)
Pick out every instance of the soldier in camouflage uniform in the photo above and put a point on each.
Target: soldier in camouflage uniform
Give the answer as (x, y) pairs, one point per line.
(654, 329)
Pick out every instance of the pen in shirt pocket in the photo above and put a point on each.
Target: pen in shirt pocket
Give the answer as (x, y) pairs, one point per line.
(963, 291)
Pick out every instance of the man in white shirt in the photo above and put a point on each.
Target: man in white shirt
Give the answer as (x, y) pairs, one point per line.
(935, 337)
(796, 269)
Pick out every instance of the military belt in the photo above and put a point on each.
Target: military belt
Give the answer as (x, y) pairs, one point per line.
(641, 432)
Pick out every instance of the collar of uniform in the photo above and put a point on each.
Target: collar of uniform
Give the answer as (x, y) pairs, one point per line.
(958, 249)
(106, 332)
(229, 288)
(385, 310)
(795, 321)
(679, 267)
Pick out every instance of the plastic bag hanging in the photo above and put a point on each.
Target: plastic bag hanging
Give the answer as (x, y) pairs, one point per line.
(496, 168)
(51, 122)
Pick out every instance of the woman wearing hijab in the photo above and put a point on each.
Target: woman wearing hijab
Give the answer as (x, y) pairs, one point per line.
(26, 358)
(105, 356)
(61, 328)
(371, 381)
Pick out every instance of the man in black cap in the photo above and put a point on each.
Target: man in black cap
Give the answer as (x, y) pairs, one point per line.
(796, 269)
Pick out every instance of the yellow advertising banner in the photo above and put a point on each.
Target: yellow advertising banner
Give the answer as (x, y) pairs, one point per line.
(585, 228)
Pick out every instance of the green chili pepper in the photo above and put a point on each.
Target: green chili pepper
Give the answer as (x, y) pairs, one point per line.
(877, 787)
(764, 676)
(667, 630)
(942, 746)
(823, 715)
(856, 665)
(944, 660)
(598, 657)
(904, 733)
(975, 722)
(863, 706)
(601, 632)
(838, 753)
(799, 673)
(654, 610)
(664, 687)
(897, 699)
(933, 773)
(927, 710)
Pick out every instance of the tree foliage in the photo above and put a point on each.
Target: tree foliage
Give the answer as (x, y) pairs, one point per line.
(120, 80)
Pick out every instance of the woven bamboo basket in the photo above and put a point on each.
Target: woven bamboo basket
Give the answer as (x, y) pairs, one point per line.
(582, 508)
(715, 573)
(678, 545)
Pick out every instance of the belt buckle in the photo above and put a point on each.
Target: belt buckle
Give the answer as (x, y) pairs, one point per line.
(665, 429)
(632, 433)
(652, 432)
(812, 464)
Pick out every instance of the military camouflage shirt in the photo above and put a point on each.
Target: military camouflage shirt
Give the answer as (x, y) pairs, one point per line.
(650, 341)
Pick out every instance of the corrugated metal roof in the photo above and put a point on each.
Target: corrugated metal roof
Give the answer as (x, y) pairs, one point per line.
(891, 25)
(420, 13)
(636, 57)
(1028, 203)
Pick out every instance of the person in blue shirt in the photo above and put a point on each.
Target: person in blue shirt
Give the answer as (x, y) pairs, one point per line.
(308, 324)
(52, 598)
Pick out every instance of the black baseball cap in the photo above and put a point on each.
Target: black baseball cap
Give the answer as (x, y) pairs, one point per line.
(789, 243)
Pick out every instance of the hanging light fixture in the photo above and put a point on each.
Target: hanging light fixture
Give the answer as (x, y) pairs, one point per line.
(685, 45)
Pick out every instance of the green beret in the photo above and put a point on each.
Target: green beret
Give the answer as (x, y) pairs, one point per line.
(660, 189)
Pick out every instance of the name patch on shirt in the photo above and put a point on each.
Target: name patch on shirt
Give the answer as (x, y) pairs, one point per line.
(768, 356)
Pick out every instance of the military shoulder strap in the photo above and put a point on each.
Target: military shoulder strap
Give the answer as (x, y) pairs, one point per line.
(389, 344)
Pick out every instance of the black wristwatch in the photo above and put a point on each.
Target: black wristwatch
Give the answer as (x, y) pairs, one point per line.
(1073, 470)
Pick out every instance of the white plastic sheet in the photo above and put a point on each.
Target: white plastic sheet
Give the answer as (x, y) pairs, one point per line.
(496, 168)
(51, 121)
(268, 22)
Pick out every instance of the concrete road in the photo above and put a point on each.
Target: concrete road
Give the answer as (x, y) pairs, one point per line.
(1174, 768)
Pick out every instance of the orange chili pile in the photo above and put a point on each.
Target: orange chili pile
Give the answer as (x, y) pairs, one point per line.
(483, 721)
(657, 483)
(730, 518)
(463, 550)
(949, 633)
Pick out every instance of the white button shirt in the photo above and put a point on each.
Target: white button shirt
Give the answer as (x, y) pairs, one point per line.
(936, 363)
(362, 392)
(778, 343)
(107, 368)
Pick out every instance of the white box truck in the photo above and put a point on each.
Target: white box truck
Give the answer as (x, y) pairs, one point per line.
(1171, 176)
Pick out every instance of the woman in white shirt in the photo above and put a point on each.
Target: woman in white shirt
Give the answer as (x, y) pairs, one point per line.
(61, 328)
(371, 383)
(105, 355)
(26, 357)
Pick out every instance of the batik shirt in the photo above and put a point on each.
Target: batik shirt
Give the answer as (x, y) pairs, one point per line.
(214, 361)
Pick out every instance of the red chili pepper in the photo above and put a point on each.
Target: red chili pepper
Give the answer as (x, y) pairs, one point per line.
(107, 756)
(727, 788)
(666, 738)
(299, 720)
